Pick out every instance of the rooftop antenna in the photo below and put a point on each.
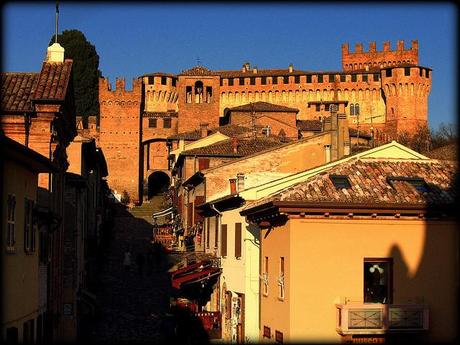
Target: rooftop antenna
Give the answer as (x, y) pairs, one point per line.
(198, 62)
(57, 21)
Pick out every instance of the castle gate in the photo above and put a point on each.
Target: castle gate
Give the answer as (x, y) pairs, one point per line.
(158, 182)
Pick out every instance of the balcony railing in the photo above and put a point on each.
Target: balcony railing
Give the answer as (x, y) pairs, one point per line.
(358, 318)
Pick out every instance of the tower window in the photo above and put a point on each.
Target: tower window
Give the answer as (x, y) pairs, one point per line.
(188, 94)
(309, 78)
(263, 80)
(152, 123)
(343, 78)
(331, 78)
(274, 80)
(241, 81)
(230, 81)
(407, 71)
(320, 78)
(253, 81)
(151, 80)
(427, 71)
(286, 79)
(167, 123)
(389, 72)
(376, 77)
(173, 81)
(297, 79)
(354, 77)
(356, 109)
(163, 80)
(352, 109)
(365, 78)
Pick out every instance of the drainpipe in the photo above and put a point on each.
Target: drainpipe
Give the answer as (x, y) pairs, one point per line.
(219, 217)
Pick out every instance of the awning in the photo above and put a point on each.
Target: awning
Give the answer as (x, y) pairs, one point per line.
(193, 273)
(163, 213)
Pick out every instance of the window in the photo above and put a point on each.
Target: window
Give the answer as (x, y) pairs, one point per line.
(267, 332)
(407, 71)
(223, 250)
(241, 81)
(354, 78)
(356, 109)
(417, 182)
(265, 276)
(376, 77)
(10, 236)
(427, 71)
(389, 72)
(343, 78)
(203, 163)
(208, 224)
(286, 79)
(278, 337)
(188, 94)
(208, 95)
(331, 78)
(152, 123)
(263, 80)
(340, 181)
(151, 80)
(365, 77)
(318, 107)
(252, 81)
(309, 78)
(297, 79)
(163, 80)
(167, 123)
(378, 280)
(221, 82)
(29, 233)
(327, 106)
(320, 78)
(173, 81)
(352, 109)
(230, 81)
(237, 240)
(281, 281)
(274, 80)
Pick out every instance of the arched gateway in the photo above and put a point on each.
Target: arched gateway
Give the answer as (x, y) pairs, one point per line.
(158, 182)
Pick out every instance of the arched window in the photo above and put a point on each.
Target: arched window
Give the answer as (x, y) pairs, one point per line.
(199, 92)
(352, 109)
(356, 109)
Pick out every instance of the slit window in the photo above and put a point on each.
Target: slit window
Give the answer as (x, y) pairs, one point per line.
(263, 80)
(286, 79)
(253, 81)
(331, 78)
(241, 81)
(274, 80)
(389, 72)
(230, 81)
(320, 78)
(343, 78)
(365, 78)
(309, 78)
(340, 181)
(151, 80)
(297, 79)
(407, 71)
(163, 80)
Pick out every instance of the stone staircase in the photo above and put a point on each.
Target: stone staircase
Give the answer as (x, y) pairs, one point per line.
(147, 209)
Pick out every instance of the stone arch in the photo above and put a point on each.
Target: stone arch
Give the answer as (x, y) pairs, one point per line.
(158, 182)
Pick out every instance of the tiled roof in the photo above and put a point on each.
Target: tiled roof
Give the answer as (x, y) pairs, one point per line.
(17, 90)
(246, 147)
(309, 125)
(53, 81)
(369, 183)
(264, 106)
(197, 71)
(362, 133)
(228, 130)
(447, 152)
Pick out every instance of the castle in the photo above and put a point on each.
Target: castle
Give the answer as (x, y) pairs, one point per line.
(383, 91)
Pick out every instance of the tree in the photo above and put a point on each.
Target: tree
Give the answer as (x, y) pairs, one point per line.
(86, 71)
(444, 135)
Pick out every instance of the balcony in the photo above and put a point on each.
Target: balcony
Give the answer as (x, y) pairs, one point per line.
(359, 318)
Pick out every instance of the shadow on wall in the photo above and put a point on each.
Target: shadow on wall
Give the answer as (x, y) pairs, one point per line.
(434, 282)
(133, 305)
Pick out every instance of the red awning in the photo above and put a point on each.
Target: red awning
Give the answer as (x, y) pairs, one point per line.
(190, 268)
(195, 276)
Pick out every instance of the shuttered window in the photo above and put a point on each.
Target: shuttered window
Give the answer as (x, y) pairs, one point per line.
(224, 240)
(198, 201)
(203, 163)
(238, 240)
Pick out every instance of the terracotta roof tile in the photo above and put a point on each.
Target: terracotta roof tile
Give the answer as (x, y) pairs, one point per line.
(228, 130)
(17, 90)
(197, 71)
(263, 106)
(159, 114)
(53, 81)
(246, 147)
(376, 181)
(309, 125)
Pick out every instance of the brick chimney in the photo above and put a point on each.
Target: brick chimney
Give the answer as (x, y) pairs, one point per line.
(240, 181)
(235, 145)
(232, 185)
(203, 130)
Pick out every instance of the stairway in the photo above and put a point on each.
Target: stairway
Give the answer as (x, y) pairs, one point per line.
(147, 209)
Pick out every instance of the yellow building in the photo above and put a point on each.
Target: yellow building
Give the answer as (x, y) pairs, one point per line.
(353, 254)
(22, 315)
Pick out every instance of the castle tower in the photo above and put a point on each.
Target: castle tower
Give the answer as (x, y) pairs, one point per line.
(373, 59)
(199, 90)
(406, 91)
(120, 134)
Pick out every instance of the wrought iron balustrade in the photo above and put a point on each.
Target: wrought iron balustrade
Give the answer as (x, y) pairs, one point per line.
(360, 318)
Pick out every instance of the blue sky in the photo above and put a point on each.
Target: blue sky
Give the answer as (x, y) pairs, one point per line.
(134, 38)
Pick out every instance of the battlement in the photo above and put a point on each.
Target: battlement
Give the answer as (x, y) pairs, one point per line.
(375, 59)
(386, 47)
(120, 85)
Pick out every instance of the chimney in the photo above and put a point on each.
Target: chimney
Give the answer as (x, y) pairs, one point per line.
(254, 70)
(291, 68)
(327, 149)
(243, 69)
(247, 65)
(232, 185)
(240, 182)
(55, 53)
(203, 130)
(235, 145)
(343, 136)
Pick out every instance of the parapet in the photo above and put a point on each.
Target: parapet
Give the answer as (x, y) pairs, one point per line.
(373, 47)
(120, 85)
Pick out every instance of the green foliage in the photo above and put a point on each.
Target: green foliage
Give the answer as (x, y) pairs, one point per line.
(86, 71)
(444, 135)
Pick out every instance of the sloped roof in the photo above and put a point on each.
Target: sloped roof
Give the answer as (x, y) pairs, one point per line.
(309, 125)
(17, 90)
(228, 130)
(197, 71)
(369, 182)
(53, 81)
(264, 106)
(246, 147)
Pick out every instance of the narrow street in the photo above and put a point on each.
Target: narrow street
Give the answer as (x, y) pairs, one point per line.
(134, 307)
